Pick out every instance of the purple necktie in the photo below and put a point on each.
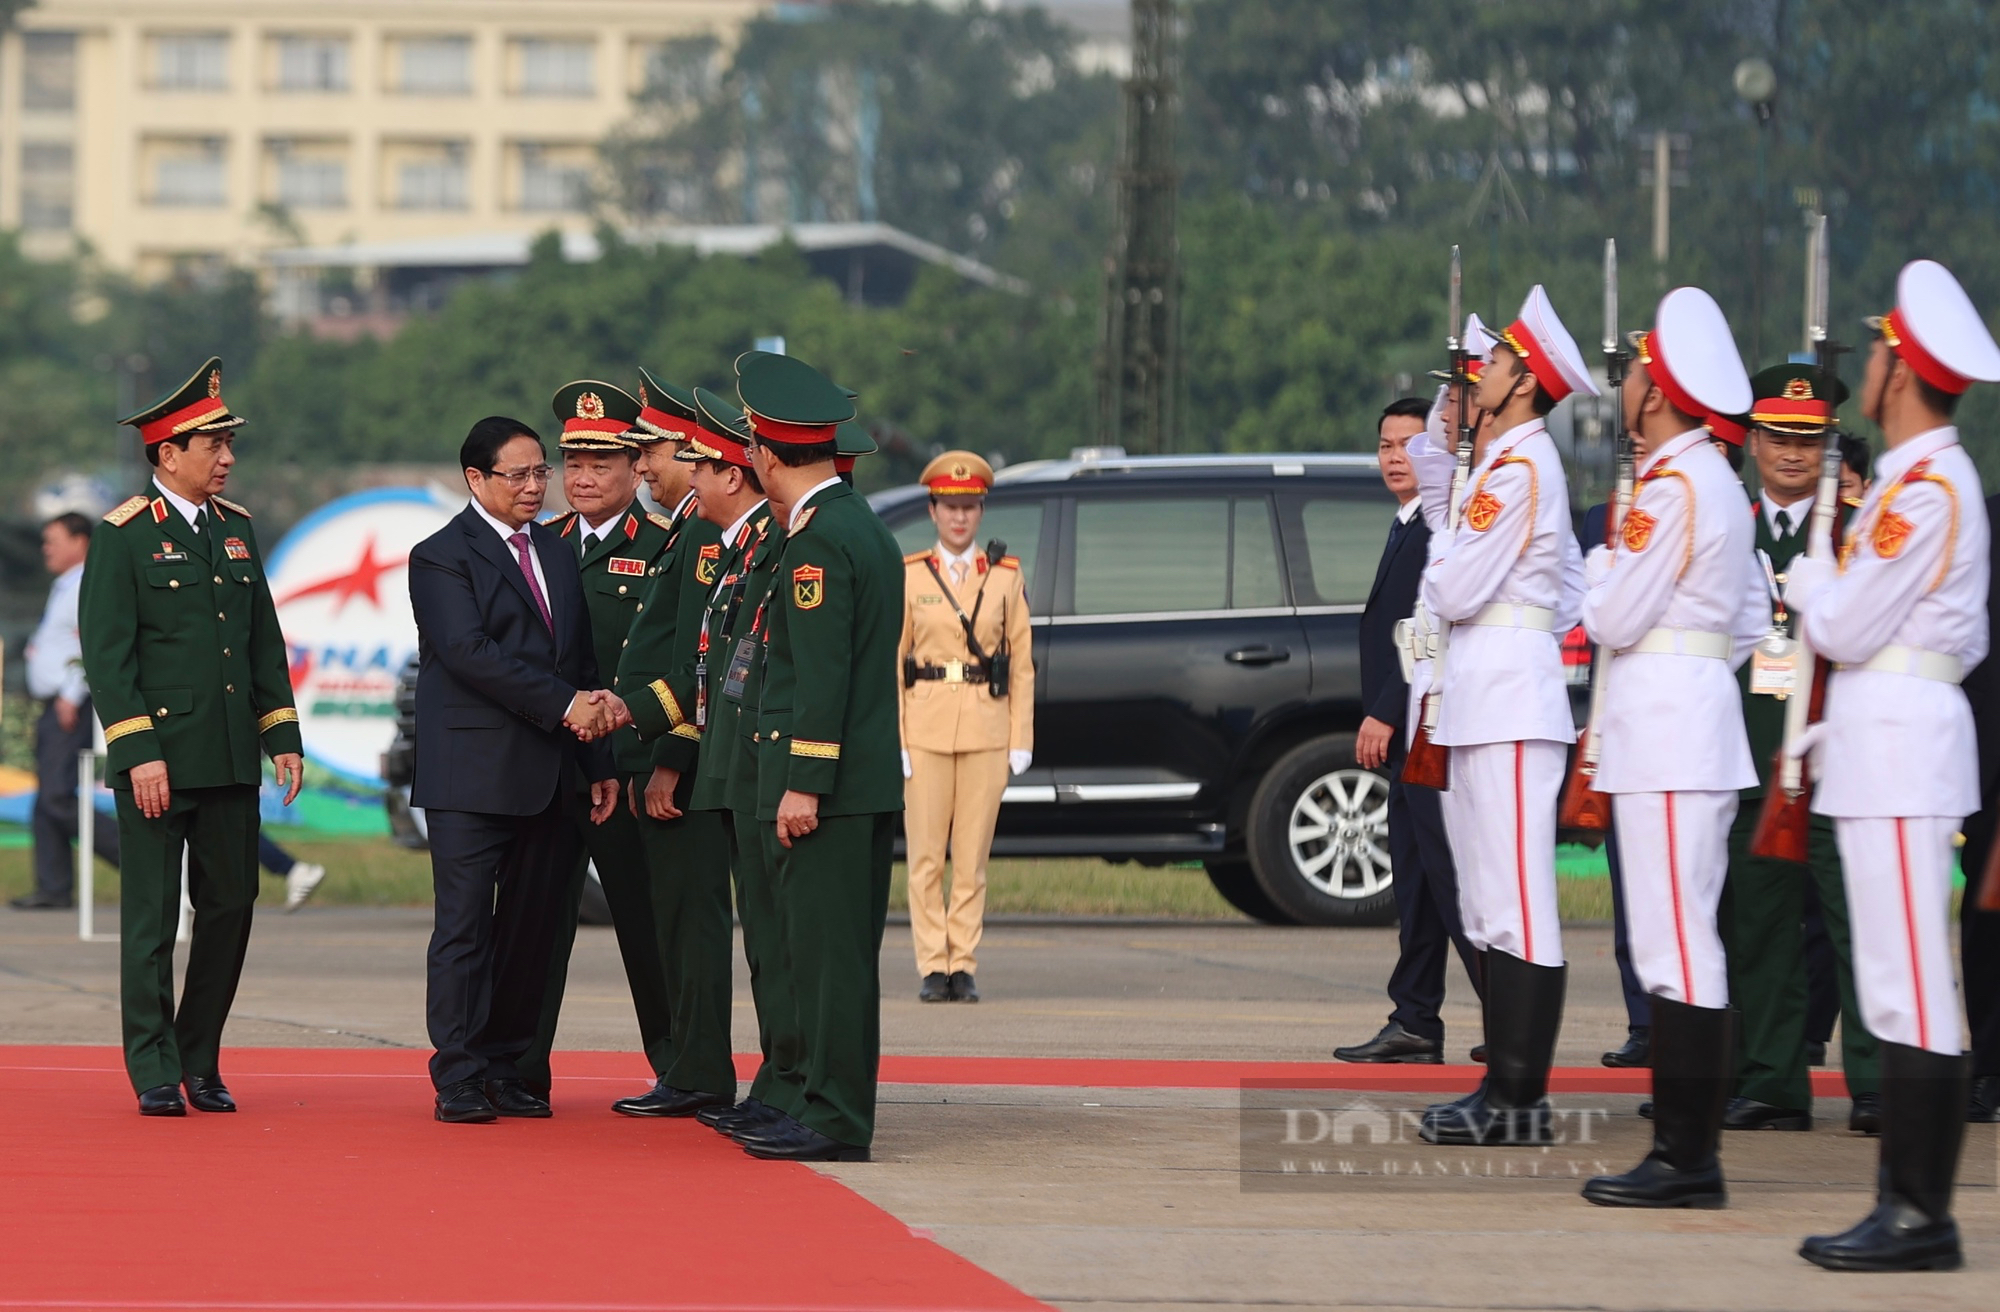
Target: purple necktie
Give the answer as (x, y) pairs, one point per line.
(520, 541)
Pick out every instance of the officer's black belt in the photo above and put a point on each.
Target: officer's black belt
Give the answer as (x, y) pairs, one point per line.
(953, 672)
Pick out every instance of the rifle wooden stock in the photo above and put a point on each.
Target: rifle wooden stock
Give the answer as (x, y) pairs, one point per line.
(1784, 825)
(1583, 807)
(1989, 891)
(1427, 765)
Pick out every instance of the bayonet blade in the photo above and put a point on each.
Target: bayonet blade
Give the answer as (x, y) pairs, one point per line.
(1821, 279)
(1456, 314)
(1610, 295)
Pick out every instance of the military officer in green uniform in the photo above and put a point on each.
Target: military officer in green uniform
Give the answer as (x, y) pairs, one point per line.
(618, 545)
(187, 665)
(687, 851)
(1764, 901)
(829, 773)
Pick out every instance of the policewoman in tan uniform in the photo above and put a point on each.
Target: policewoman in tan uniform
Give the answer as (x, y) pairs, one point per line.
(968, 718)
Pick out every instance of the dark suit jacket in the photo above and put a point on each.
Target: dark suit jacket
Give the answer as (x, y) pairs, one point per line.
(1385, 694)
(1982, 688)
(492, 683)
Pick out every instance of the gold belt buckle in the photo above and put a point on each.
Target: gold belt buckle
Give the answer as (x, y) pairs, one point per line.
(954, 671)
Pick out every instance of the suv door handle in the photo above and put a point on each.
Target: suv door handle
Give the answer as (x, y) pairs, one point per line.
(1258, 655)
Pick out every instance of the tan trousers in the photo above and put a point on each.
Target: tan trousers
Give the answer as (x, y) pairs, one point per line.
(951, 800)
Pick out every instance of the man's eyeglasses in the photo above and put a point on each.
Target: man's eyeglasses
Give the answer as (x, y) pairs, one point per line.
(522, 477)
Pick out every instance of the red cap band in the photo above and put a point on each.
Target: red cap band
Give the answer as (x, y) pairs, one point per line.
(1896, 332)
(181, 421)
(1517, 337)
(675, 427)
(1727, 428)
(609, 427)
(1663, 377)
(777, 430)
(1788, 410)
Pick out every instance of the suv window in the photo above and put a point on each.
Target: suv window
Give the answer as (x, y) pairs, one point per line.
(1343, 544)
(1175, 554)
(1016, 523)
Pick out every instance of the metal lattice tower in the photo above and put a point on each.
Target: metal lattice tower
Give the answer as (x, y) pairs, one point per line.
(1138, 362)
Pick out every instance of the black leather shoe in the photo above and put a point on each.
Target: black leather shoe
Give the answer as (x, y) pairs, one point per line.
(206, 1094)
(936, 988)
(1815, 1053)
(1646, 1110)
(1983, 1106)
(1478, 1054)
(805, 1146)
(464, 1103)
(1394, 1044)
(1749, 1114)
(1865, 1116)
(742, 1116)
(512, 1098)
(778, 1126)
(540, 1088)
(666, 1100)
(1637, 1049)
(41, 902)
(962, 990)
(162, 1100)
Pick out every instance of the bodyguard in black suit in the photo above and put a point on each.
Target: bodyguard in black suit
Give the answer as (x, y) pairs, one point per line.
(1426, 884)
(1979, 931)
(505, 669)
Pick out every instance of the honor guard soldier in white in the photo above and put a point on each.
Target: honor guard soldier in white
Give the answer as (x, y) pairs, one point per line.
(1903, 616)
(1508, 581)
(1679, 600)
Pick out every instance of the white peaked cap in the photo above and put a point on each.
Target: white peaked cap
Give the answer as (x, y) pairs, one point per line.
(1691, 356)
(1550, 353)
(1936, 330)
(1478, 339)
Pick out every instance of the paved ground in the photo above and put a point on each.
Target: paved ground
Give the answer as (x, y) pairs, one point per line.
(1139, 1198)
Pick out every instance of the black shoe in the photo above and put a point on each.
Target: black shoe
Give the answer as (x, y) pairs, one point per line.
(1524, 1004)
(513, 1098)
(1815, 1053)
(962, 990)
(936, 988)
(1749, 1114)
(776, 1127)
(1865, 1116)
(464, 1103)
(805, 1146)
(665, 1100)
(744, 1115)
(1646, 1110)
(206, 1094)
(1637, 1049)
(540, 1088)
(1691, 1079)
(162, 1100)
(1982, 1107)
(1394, 1044)
(1478, 1054)
(39, 901)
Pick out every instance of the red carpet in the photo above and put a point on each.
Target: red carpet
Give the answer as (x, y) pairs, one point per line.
(335, 1190)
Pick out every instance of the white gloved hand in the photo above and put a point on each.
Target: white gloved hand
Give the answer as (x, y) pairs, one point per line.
(1017, 761)
(906, 765)
(1811, 744)
(1596, 566)
(1805, 576)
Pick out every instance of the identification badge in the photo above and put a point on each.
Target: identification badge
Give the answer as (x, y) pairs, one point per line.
(701, 694)
(738, 673)
(1774, 667)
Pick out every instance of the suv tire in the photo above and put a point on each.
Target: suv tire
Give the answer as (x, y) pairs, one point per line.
(1318, 836)
(1237, 883)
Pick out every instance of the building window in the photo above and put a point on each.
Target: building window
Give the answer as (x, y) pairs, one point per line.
(48, 186)
(312, 63)
(191, 61)
(554, 68)
(309, 175)
(431, 176)
(188, 172)
(434, 65)
(48, 71)
(554, 178)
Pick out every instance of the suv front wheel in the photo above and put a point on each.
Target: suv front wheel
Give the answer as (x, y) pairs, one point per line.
(1318, 836)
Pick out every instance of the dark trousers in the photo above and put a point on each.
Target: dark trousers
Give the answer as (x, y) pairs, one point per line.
(622, 868)
(1979, 946)
(499, 882)
(1638, 1004)
(689, 858)
(780, 1081)
(54, 820)
(1426, 889)
(217, 829)
(1762, 919)
(833, 893)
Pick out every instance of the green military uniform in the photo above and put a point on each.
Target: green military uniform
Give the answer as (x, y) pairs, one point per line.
(187, 666)
(1763, 902)
(826, 725)
(688, 856)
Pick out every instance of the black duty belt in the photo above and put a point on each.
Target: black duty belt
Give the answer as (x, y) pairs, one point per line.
(952, 672)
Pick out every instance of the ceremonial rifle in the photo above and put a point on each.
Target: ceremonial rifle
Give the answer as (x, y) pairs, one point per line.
(1784, 825)
(1428, 765)
(1583, 807)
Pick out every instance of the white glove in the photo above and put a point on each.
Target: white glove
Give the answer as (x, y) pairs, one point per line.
(1017, 761)
(906, 765)
(1805, 576)
(1596, 566)
(1811, 744)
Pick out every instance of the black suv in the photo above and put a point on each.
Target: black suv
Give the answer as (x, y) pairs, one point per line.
(1197, 684)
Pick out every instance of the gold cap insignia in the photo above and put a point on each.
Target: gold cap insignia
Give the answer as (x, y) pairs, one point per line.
(1798, 390)
(215, 383)
(961, 470)
(590, 406)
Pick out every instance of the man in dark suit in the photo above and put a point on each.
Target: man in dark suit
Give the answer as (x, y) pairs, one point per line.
(505, 672)
(1979, 931)
(1426, 884)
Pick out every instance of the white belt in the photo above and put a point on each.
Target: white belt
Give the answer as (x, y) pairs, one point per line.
(1511, 615)
(1682, 642)
(1898, 659)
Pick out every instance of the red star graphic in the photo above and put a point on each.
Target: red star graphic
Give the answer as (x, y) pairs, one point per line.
(361, 581)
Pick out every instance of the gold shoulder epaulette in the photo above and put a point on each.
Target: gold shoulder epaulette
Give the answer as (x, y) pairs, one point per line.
(805, 518)
(915, 557)
(122, 515)
(659, 520)
(563, 523)
(232, 507)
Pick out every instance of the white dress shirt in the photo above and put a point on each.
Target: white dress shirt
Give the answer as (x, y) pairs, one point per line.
(55, 652)
(1798, 512)
(507, 539)
(187, 508)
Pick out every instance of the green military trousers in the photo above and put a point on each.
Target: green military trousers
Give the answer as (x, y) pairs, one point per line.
(1763, 905)
(833, 894)
(780, 1080)
(689, 862)
(620, 854)
(217, 829)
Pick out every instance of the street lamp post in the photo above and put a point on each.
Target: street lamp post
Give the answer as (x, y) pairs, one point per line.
(1757, 86)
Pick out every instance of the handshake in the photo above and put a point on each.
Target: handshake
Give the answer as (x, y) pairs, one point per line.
(596, 713)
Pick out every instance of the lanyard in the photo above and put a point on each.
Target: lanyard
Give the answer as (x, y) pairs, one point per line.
(1779, 615)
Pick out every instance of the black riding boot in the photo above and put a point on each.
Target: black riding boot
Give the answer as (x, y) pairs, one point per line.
(1524, 1005)
(1694, 1052)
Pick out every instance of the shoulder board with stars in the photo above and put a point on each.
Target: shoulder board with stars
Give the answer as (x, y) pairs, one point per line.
(659, 520)
(805, 518)
(231, 507)
(122, 515)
